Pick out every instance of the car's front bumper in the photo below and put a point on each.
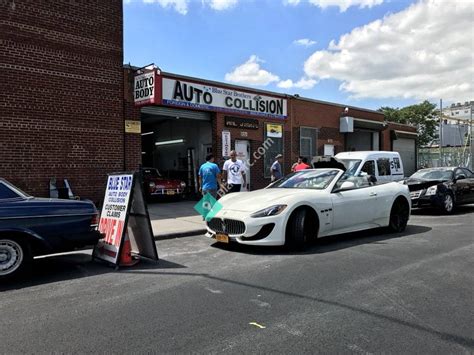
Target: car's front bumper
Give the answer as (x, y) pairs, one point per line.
(419, 200)
(255, 231)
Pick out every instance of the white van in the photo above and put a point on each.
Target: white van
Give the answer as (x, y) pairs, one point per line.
(385, 166)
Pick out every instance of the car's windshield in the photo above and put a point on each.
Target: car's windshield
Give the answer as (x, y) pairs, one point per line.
(351, 165)
(433, 174)
(153, 173)
(317, 179)
(8, 191)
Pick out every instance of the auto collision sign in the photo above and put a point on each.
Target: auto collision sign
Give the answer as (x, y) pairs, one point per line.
(206, 97)
(144, 89)
(113, 217)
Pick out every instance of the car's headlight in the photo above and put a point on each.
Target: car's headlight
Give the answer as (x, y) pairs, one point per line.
(431, 190)
(152, 184)
(270, 211)
(183, 184)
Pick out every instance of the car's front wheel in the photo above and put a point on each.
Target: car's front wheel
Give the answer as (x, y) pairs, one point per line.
(15, 256)
(302, 228)
(447, 204)
(399, 215)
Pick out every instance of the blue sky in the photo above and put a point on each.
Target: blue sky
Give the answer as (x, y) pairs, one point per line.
(367, 53)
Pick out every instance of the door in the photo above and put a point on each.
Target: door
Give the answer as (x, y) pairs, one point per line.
(354, 208)
(242, 148)
(464, 186)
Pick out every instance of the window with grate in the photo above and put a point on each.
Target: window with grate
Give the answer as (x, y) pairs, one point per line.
(308, 142)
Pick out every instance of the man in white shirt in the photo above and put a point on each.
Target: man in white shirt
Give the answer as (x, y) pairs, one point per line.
(234, 173)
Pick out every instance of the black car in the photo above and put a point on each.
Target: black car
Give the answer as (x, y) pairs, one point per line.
(31, 226)
(443, 188)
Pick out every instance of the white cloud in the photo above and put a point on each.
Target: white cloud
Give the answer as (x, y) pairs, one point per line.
(423, 52)
(291, 2)
(181, 6)
(250, 73)
(305, 42)
(303, 83)
(220, 5)
(345, 4)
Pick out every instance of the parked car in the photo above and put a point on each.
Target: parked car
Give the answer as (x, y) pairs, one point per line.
(308, 204)
(31, 226)
(383, 165)
(443, 188)
(155, 185)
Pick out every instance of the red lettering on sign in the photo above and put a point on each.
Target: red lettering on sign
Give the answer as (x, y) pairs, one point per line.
(112, 228)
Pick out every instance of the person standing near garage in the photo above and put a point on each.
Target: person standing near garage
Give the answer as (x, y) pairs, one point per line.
(234, 173)
(209, 177)
(275, 170)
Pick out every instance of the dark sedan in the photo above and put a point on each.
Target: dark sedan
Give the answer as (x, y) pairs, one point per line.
(443, 188)
(31, 226)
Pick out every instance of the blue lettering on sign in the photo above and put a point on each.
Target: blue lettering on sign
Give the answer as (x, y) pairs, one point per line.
(120, 183)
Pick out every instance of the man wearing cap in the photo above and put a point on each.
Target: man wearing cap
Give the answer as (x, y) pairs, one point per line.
(275, 170)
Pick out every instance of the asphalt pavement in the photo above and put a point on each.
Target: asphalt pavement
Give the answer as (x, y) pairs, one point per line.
(366, 292)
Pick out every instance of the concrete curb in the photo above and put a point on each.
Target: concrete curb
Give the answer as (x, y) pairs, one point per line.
(180, 234)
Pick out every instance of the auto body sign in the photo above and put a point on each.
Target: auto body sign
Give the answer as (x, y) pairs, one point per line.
(113, 217)
(206, 97)
(144, 89)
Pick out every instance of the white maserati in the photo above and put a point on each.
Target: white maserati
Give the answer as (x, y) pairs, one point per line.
(309, 204)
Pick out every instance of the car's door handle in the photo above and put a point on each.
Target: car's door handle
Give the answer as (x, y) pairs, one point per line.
(373, 194)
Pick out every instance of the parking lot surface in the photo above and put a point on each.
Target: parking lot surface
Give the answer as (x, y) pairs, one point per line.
(366, 292)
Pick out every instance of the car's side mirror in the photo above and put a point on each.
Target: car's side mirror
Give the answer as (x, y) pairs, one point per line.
(346, 185)
(363, 173)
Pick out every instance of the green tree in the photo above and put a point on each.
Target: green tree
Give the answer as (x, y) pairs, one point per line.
(423, 116)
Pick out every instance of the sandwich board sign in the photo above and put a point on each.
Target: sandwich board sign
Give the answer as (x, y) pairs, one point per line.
(124, 213)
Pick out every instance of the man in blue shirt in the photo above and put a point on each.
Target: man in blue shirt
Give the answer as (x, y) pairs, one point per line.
(209, 177)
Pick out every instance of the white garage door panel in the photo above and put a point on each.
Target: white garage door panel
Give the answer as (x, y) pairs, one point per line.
(406, 147)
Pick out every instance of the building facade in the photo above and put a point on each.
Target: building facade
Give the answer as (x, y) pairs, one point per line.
(61, 102)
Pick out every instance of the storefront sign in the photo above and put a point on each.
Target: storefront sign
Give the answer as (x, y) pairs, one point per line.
(132, 126)
(225, 143)
(274, 130)
(243, 123)
(144, 89)
(205, 97)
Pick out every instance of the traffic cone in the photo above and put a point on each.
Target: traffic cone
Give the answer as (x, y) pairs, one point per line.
(126, 258)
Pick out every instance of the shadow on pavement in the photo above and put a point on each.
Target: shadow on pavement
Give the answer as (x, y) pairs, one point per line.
(328, 244)
(431, 211)
(75, 266)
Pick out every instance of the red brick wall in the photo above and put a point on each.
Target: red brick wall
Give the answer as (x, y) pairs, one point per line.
(324, 116)
(61, 85)
(385, 134)
(256, 138)
(133, 141)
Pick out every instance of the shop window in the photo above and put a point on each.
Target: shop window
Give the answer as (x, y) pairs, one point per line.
(383, 164)
(308, 142)
(272, 146)
(369, 167)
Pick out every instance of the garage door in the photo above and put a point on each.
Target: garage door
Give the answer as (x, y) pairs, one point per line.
(407, 149)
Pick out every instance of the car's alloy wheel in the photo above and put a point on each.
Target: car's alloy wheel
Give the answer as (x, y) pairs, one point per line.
(448, 203)
(13, 257)
(399, 217)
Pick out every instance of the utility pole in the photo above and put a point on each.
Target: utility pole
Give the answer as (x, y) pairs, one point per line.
(471, 141)
(440, 132)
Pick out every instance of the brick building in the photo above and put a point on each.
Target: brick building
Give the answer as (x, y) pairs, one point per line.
(180, 126)
(68, 109)
(61, 85)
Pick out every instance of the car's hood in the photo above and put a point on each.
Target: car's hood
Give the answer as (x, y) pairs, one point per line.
(259, 199)
(416, 184)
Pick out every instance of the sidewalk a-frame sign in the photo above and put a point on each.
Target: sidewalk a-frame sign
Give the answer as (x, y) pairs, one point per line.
(124, 214)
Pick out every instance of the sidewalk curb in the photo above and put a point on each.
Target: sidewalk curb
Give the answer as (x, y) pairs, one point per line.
(180, 234)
